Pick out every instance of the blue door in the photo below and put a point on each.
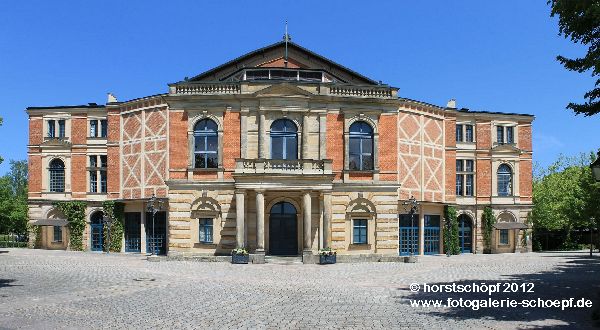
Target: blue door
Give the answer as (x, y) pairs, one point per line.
(156, 238)
(132, 232)
(431, 234)
(465, 233)
(408, 235)
(97, 231)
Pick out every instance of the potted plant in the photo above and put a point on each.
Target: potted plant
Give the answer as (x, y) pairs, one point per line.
(239, 256)
(327, 256)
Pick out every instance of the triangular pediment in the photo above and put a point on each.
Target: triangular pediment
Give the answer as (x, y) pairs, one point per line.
(283, 90)
(273, 56)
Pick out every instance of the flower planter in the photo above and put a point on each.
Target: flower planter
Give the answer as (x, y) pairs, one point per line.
(240, 258)
(327, 259)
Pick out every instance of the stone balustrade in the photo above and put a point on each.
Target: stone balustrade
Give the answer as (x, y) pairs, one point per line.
(362, 91)
(206, 89)
(283, 166)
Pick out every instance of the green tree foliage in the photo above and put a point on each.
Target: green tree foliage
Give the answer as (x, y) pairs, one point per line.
(74, 211)
(565, 196)
(579, 20)
(451, 239)
(115, 211)
(13, 199)
(488, 220)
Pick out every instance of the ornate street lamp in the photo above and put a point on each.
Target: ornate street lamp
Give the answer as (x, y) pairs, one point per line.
(411, 206)
(107, 222)
(153, 206)
(595, 166)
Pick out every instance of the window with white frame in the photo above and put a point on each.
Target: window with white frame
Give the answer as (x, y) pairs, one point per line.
(464, 133)
(504, 177)
(359, 231)
(205, 233)
(57, 175)
(505, 134)
(361, 147)
(206, 143)
(98, 128)
(465, 177)
(52, 128)
(97, 172)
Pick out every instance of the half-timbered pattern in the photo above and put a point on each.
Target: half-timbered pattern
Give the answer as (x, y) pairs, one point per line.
(284, 152)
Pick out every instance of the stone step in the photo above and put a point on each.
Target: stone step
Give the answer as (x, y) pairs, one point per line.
(293, 260)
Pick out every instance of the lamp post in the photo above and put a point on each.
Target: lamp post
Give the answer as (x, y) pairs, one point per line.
(591, 234)
(108, 222)
(153, 205)
(411, 206)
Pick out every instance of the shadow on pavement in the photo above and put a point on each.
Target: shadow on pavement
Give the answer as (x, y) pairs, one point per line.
(577, 278)
(7, 283)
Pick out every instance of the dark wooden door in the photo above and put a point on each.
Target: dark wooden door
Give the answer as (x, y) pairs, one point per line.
(283, 230)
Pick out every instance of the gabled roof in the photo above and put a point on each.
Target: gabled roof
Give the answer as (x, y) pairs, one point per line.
(298, 56)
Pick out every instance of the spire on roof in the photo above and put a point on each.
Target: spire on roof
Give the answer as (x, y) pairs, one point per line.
(287, 38)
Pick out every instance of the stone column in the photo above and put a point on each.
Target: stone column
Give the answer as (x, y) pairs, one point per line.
(326, 219)
(260, 221)
(306, 211)
(305, 137)
(262, 135)
(143, 229)
(240, 236)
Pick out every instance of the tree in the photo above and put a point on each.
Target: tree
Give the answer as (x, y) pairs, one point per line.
(488, 221)
(13, 199)
(565, 196)
(579, 20)
(451, 239)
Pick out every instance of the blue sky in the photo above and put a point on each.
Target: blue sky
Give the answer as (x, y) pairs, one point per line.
(493, 56)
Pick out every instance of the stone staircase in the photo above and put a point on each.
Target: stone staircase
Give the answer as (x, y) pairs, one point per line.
(280, 260)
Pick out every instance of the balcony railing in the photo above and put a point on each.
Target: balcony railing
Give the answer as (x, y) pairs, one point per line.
(283, 166)
(206, 89)
(362, 91)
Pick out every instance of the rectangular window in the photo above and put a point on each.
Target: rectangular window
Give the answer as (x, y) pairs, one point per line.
(93, 181)
(61, 129)
(468, 133)
(359, 231)
(500, 133)
(510, 134)
(103, 128)
(93, 161)
(57, 234)
(51, 128)
(103, 186)
(93, 128)
(205, 234)
(103, 162)
(465, 177)
(504, 236)
(459, 133)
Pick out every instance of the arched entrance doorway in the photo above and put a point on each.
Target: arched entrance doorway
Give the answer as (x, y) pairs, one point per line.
(97, 229)
(283, 230)
(465, 233)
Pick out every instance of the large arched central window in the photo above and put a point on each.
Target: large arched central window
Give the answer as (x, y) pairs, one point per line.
(57, 175)
(504, 180)
(284, 139)
(361, 147)
(206, 144)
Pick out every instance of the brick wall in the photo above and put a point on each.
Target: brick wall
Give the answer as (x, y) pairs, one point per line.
(79, 128)
(178, 144)
(34, 167)
(36, 130)
(525, 137)
(78, 173)
(231, 141)
(113, 156)
(335, 143)
(484, 135)
(525, 178)
(484, 180)
(388, 144)
(450, 161)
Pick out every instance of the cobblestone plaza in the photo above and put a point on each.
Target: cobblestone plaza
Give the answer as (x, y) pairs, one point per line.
(62, 289)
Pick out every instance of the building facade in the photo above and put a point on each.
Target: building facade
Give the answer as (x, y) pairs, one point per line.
(284, 152)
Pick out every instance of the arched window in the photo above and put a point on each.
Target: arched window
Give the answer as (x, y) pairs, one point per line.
(361, 146)
(504, 180)
(57, 175)
(206, 144)
(284, 139)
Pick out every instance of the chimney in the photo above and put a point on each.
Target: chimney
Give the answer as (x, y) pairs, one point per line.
(112, 98)
(451, 104)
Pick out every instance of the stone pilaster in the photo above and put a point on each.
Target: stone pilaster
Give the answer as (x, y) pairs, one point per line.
(262, 135)
(260, 221)
(326, 219)
(240, 235)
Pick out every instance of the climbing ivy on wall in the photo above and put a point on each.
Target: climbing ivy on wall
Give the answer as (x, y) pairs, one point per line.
(74, 211)
(451, 240)
(488, 228)
(116, 212)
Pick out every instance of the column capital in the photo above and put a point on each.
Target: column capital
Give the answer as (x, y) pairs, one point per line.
(260, 191)
(240, 191)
